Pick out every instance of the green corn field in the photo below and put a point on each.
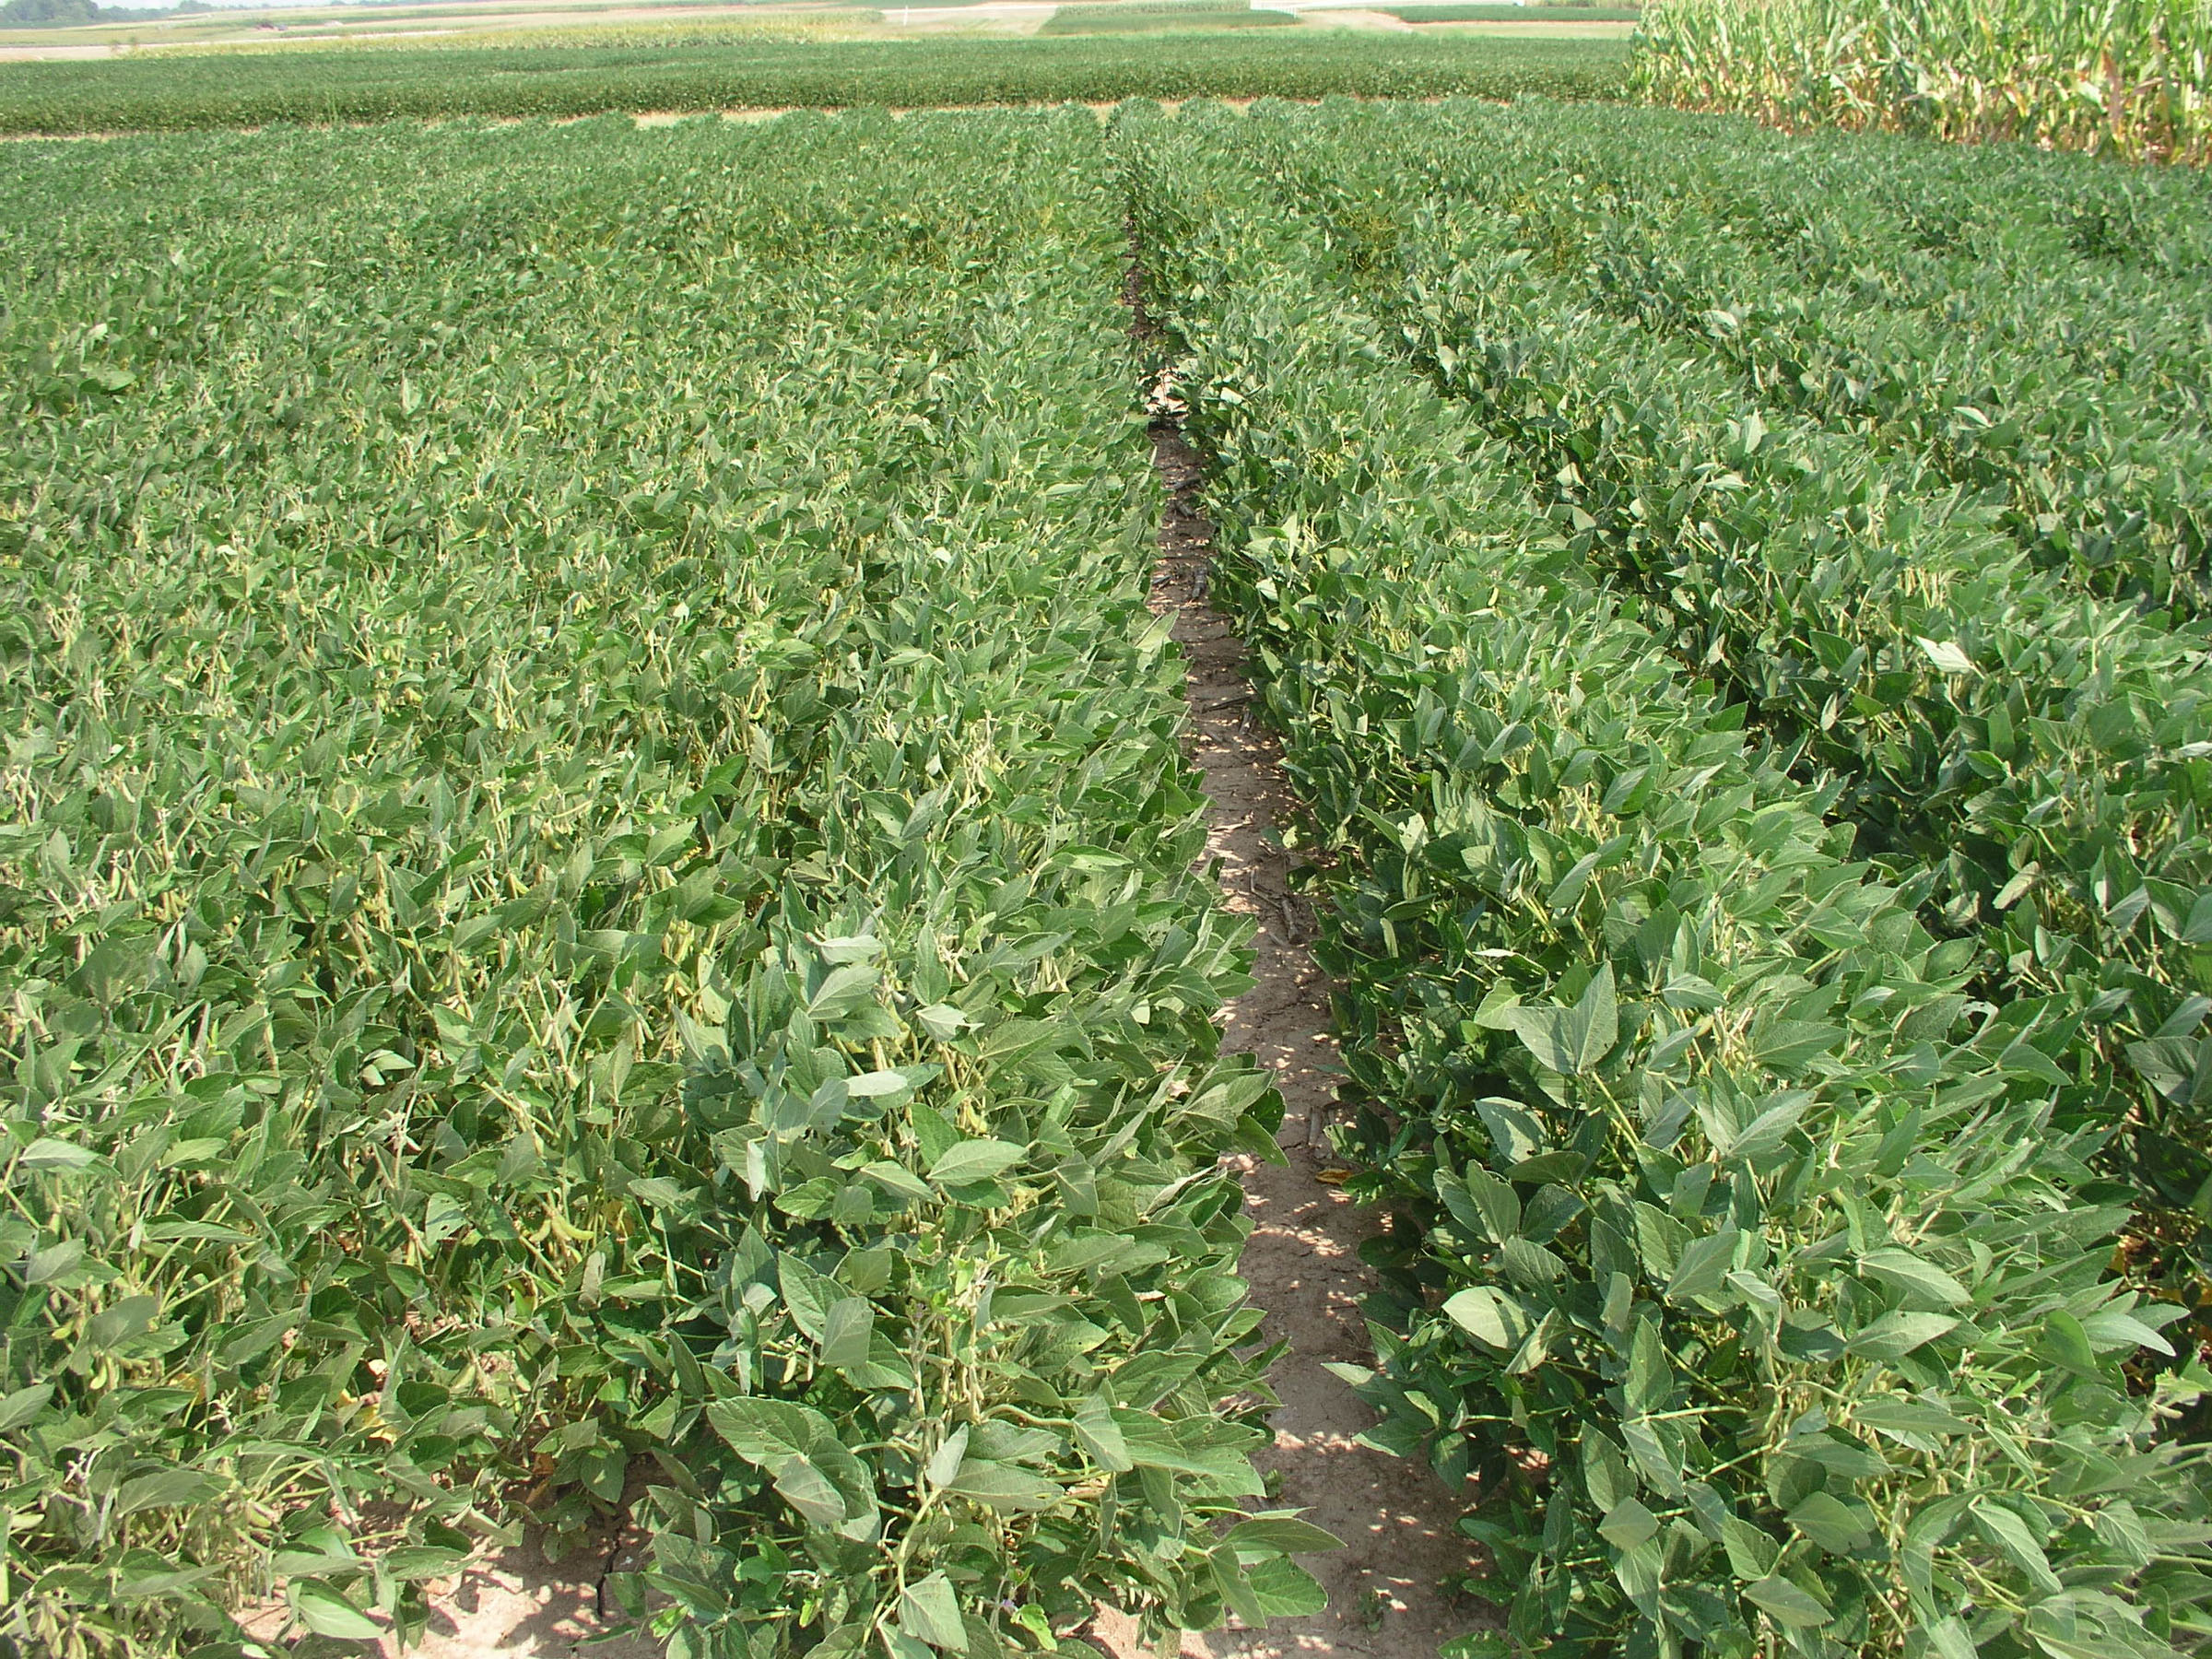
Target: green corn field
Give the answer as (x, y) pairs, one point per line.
(2127, 78)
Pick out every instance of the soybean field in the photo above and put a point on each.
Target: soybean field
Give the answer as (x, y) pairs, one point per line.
(1757, 742)
(601, 881)
(603, 909)
(367, 82)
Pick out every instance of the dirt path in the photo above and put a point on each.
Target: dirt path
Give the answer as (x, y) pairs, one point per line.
(1397, 1519)
(1017, 17)
(1332, 17)
(1544, 30)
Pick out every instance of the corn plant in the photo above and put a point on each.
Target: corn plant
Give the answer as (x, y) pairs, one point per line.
(2128, 77)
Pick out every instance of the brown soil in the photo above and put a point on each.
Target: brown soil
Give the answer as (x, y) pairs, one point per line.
(510, 1602)
(1386, 1586)
(994, 17)
(516, 1604)
(1335, 19)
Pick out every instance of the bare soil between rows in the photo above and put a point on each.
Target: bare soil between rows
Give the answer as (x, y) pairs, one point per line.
(1387, 1586)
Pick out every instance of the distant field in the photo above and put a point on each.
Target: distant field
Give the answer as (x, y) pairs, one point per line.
(1512, 14)
(1111, 18)
(592, 22)
(171, 92)
(603, 24)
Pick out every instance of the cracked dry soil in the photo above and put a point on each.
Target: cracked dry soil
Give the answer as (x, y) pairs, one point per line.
(1386, 1590)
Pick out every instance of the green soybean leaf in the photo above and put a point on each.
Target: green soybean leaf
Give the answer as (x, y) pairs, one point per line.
(1897, 1334)
(1573, 1039)
(810, 1467)
(1282, 1589)
(1751, 1553)
(896, 1180)
(845, 989)
(168, 1490)
(1703, 1266)
(966, 1162)
(928, 1608)
(2064, 1342)
(2005, 1529)
(1835, 1525)
(411, 1563)
(845, 1332)
(1004, 1487)
(20, 1407)
(1785, 1603)
(2120, 1526)
(134, 1585)
(327, 1612)
(52, 1261)
(1628, 1525)
(1946, 656)
(874, 1085)
(944, 1462)
(1477, 1311)
(1100, 1436)
(1902, 1417)
(1278, 1534)
(1605, 1473)
(48, 1156)
(1914, 1276)
(1496, 1202)
(943, 1022)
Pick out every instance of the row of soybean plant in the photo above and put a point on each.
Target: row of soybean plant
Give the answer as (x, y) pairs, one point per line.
(1760, 1274)
(599, 896)
(2026, 326)
(2035, 747)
